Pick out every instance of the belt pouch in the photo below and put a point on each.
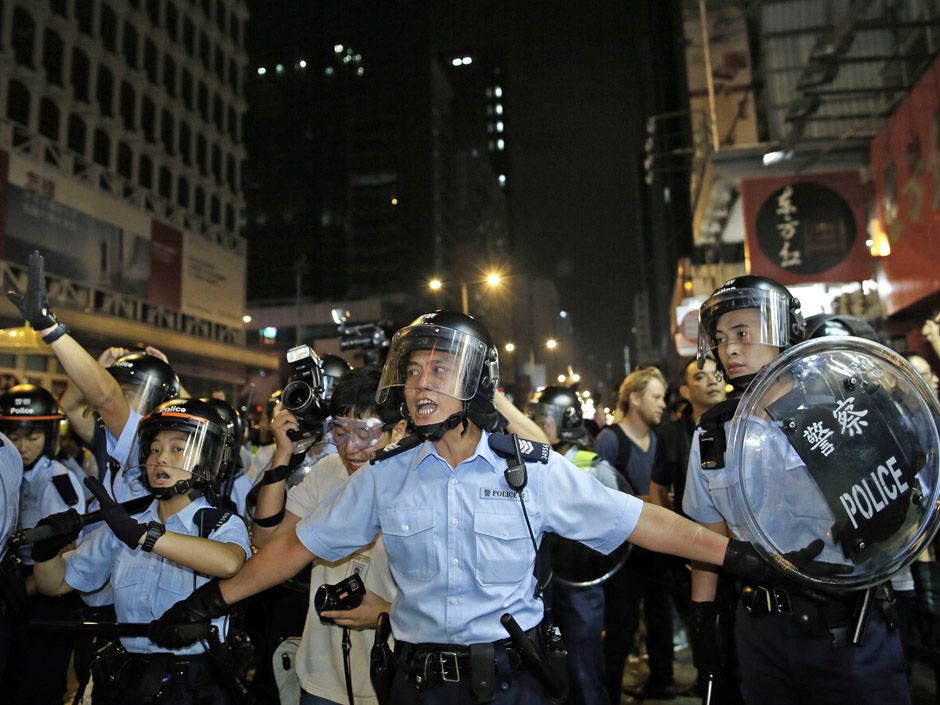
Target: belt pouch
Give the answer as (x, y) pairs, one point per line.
(483, 671)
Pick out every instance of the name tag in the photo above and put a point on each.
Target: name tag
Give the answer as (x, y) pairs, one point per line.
(359, 563)
(500, 493)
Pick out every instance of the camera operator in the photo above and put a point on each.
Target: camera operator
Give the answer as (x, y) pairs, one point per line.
(357, 427)
(459, 545)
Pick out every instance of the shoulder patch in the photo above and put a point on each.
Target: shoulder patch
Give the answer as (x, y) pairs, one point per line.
(407, 443)
(63, 485)
(502, 445)
(208, 519)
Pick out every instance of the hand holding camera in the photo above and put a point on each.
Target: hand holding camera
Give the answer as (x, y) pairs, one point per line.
(348, 604)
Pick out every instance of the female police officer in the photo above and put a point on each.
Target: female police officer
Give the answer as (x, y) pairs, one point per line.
(158, 557)
(458, 542)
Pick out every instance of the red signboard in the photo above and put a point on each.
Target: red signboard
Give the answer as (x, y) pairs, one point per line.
(806, 229)
(905, 169)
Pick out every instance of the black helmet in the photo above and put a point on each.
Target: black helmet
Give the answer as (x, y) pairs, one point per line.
(152, 379)
(234, 434)
(781, 323)
(476, 373)
(206, 438)
(822, 325)
(30, 407)
(333, 368)
(563, 405)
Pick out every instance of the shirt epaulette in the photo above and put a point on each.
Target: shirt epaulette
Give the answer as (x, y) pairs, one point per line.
(502, 445)
(392, 449)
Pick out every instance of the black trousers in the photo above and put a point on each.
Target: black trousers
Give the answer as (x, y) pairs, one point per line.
(645, 579)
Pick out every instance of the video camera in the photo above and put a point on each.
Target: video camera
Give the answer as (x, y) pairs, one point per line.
(368, 337)
(302, 396)
(347, 594)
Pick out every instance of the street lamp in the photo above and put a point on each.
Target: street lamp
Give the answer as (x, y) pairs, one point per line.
(510, 347)
(492, 280)
(435, 284)
(551, 343)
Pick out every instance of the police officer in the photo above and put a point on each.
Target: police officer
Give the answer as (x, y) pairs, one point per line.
(786, 639)
(12, 582)
(157, 557)
(578, 610)
(29, 416)
(457, 533)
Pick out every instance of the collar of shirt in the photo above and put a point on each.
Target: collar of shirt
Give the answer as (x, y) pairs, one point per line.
(483, 450)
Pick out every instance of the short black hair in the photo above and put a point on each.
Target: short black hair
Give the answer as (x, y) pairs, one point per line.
(354, 395)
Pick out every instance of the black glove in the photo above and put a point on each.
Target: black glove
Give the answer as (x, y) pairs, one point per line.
(703, 624)
(126, 528)
(189, 620)
(743, 560)
(34, 304)
(67, 526)
(927, 587)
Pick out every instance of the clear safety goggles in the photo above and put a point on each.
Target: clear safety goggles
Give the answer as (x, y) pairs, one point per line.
(763, 318)
(360, 434)
(435, 358)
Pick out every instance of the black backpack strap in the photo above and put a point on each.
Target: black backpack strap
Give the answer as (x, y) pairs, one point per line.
(63, 485)
(208, 519)
(623, 449)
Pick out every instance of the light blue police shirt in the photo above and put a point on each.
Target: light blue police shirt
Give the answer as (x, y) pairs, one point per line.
(457, 541)
(127, 484)
(146, 584)
(784, 499)
(39, 497)
(11, 477)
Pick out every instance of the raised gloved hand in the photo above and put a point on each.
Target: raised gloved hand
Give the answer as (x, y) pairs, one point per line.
(34, 304)
(67, 525)
(703, 625)
(127, 529)
(743, 560)
(189, 620)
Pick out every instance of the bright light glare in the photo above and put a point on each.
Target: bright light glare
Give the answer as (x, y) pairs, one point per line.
(561, 378)
(246, 318)
(510, 347)
(551, 343)
(493, 279)
(435, 284)
(575, 377)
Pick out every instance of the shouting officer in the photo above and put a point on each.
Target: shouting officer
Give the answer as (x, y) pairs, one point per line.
(460, 531)
(790, 641)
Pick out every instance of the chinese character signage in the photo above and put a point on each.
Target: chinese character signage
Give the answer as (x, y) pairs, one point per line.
(806, 229)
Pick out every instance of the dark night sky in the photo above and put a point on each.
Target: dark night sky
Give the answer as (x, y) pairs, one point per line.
(575, 131)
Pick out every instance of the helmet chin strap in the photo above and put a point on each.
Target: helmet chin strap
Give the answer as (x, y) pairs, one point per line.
(181, 487)
(741, 383)
(436, 431)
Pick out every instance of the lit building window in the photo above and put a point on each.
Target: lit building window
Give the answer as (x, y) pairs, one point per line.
(499, 109)
(466, 61)
(499, 127)
(500, 144)
(279, 68)
(360, 71)
(498, 92)
(455, 62)
(338, 48)
(262, 70)
(328, 70)
(302, 64)
(502, 179)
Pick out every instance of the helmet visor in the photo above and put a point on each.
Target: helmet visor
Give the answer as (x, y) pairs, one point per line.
(433, 358)
(360, 434)
(535, 411)
(762, 318)
(178, 442)
(143, 393)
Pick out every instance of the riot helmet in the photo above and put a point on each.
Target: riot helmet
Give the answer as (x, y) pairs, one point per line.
(234, 434)
(822, 325)
(469, 369)
(197, 446)
(333, 368)
(563, 406)
(29, 407)
(778, 322)
(146, 380)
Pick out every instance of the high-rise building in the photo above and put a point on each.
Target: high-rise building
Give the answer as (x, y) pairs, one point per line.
(120, 159)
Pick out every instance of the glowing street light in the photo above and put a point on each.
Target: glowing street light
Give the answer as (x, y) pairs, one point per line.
(510, 347)
(551, 343)
(561, 379)
(493, 279)
(246, 318)
(435, 284)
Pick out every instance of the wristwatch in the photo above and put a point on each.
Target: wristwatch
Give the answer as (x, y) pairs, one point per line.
(154, 531)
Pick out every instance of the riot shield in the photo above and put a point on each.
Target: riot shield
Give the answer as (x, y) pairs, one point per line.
(836, 444)
(575, 564)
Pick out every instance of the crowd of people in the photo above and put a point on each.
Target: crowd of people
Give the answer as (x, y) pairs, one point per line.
(408, 534)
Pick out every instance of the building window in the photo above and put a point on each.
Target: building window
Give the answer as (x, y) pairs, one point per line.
(52, 52)
(189, 37)
(186, 143)
(165, 187)
(203, 101)
(171, 20)
(186, 88)
(81, 69)
(214, 208)
(167, 131)
(200, 206)
(169, 75)
(83, 14)
(233, 75)
(233, 123)
(153, 11)
(145, 172)
(24, 32)
(201, 152)
(230, 172)
(48, 119)
(59, 8)
(148, 120)
(107, 28)
(205, 49)
(217, 163)
(125, 160)
(130, 45)
(102, 149)
(229, 217)
(128, 105)
(105, 90)
(218, 113)
(219, 64)
(76, 136)
(150, 61)
(182, 192)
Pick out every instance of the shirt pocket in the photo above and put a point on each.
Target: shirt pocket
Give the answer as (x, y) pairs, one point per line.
(409, 537)
(504, 552)
(126, 573)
